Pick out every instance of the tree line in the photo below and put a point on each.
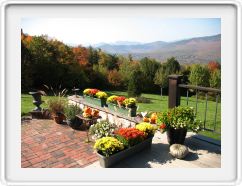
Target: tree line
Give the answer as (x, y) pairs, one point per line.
(46, 61)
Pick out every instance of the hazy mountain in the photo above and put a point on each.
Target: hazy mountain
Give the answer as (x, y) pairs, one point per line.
(195, 50)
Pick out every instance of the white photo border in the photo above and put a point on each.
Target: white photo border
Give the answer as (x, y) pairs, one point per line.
(3, 81)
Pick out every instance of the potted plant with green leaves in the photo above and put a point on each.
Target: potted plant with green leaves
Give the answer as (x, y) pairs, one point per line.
(176, 122)
(70, 112)
(57, 103)
(56, 106)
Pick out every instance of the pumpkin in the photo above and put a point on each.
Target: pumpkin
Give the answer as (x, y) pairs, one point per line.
(86, 115)
(178, 151)
(145, 119)
(153, 118)
(95, 113)
(88, 110)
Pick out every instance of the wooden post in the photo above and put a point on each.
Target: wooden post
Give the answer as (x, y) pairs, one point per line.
(174, 90)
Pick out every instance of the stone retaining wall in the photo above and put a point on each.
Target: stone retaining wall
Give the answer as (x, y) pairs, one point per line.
(105, 113)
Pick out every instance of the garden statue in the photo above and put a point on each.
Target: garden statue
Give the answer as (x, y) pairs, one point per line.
(37, 100)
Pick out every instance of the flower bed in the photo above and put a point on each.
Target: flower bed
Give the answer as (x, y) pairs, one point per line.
(122, 105)
(95, 97)
(123, 143)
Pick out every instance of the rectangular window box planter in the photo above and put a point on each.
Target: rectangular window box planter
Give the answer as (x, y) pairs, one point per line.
(115, 158)
(122, 110)
(95, 101)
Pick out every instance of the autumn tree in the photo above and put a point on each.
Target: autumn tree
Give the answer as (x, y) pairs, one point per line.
(213, 65)
(114, 78)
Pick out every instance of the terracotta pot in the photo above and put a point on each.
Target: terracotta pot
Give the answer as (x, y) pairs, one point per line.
(59, 118)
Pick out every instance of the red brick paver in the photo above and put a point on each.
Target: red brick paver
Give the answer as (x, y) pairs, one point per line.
(47, 144)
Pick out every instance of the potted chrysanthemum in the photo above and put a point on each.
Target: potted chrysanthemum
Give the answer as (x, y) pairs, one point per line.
(176, 122)
(130, 103)
(103, 97)
(123, 143)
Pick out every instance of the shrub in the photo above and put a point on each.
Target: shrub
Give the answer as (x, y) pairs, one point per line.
(108, 146)
(102, 129)
(143, 100)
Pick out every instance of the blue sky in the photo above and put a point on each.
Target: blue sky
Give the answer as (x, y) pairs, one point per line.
(97, 30)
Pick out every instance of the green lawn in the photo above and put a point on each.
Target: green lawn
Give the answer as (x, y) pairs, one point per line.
(27, 103)
(157, 104)
(161, 104)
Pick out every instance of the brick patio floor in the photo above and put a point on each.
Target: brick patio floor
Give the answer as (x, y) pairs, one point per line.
(47, 144)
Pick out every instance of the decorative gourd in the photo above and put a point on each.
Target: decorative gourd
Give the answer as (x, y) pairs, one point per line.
(145, 119)
(178, 151)
(86, 115)
(88, 110)
(95, 113)
(153, 118)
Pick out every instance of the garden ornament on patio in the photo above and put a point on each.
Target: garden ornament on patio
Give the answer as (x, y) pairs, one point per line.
(37, 100)
(178, 151)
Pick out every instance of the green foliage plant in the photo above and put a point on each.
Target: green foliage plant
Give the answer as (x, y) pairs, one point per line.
(71, 111)
(179, 118)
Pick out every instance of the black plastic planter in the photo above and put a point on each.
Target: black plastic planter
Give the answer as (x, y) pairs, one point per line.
(176, 136)
(74, 123)
(133, 111)
(115, 158)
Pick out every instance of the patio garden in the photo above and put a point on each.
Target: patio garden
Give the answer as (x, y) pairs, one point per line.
(112, 107)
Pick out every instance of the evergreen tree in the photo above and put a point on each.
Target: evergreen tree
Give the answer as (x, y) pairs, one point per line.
(135, 84)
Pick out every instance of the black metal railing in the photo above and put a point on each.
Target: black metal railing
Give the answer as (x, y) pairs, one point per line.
(205, 90)
(175, 90)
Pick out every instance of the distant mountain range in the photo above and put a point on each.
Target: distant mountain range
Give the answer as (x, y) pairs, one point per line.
(194, 50)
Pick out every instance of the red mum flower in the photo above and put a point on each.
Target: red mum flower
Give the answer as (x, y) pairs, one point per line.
(163, 126)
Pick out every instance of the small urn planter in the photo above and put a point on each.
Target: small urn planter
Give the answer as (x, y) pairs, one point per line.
(37, 100)
(117, 157)
(59, 117)
(176, 136)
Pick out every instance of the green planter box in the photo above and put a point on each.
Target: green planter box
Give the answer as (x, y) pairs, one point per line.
(123, 111)
(115, 158)
(95, 101)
